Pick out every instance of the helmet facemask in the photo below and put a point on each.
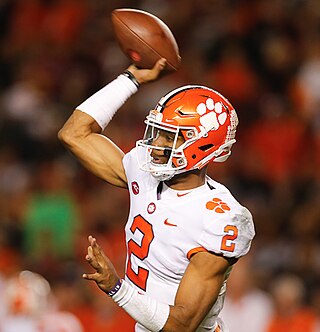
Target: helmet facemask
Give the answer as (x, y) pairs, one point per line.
(176, 161)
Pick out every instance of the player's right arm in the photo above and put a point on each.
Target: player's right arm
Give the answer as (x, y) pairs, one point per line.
(81, 133)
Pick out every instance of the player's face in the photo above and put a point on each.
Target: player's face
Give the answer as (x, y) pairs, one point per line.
(164, 139)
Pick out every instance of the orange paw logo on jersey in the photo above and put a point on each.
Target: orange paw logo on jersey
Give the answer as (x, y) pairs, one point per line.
(217, 205)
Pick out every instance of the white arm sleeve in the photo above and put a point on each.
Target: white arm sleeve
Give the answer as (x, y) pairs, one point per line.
(104, 104)
(142, 308)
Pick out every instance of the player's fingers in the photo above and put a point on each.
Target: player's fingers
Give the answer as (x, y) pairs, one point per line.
(92, 255)
(90, 251)
(157, 68)
(90, 239)
(90, 276)
(91, 259)
(154, 73)
(160, 64)
(96, 249)
(94, 244)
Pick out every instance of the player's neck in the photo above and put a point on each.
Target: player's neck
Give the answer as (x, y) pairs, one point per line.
(188, 180)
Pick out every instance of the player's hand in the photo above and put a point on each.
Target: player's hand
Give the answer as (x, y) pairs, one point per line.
(148, 75)
(105, 276)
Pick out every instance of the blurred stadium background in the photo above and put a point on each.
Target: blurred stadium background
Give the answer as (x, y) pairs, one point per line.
(264, 55)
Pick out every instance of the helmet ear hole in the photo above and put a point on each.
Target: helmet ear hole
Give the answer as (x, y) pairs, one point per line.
(206, 147)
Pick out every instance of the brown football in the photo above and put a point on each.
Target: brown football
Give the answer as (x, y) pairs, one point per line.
(144, 38)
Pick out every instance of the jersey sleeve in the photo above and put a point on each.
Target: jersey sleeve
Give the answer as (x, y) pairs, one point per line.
(230, 234)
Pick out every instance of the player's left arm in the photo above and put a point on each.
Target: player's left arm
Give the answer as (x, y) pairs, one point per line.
(225, 241)
(197, 292)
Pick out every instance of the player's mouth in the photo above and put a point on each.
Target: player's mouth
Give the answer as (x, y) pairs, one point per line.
(158, 160)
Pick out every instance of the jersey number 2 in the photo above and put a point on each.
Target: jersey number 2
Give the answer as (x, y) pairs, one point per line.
(227, 243)
(140, 251)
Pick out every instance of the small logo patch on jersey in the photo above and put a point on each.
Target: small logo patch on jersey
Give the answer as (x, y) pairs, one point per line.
(166, 222)
(151, 208)
(135, 187)
(217, 205)
(180, 195)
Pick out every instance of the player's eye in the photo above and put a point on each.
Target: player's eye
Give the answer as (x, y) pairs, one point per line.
(170, 137)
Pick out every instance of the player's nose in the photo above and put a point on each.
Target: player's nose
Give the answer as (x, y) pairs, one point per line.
(155, 153)
(159, 141)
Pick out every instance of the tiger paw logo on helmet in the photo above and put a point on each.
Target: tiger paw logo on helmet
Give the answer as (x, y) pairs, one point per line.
(213, 119)
(217, 205)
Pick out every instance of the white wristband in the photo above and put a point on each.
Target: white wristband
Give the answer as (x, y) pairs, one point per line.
(104, 104)
(142, 308)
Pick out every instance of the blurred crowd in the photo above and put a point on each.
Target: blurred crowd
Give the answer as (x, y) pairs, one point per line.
(263, 55)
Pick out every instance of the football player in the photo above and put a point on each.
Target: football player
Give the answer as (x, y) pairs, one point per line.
(184, 231)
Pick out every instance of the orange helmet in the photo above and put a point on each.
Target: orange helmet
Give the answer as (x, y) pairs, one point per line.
(206, 120)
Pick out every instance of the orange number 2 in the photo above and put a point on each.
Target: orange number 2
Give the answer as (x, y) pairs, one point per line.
(140, 251)
(231, 234)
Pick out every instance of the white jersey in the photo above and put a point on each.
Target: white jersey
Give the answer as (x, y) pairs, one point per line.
(166, 228)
